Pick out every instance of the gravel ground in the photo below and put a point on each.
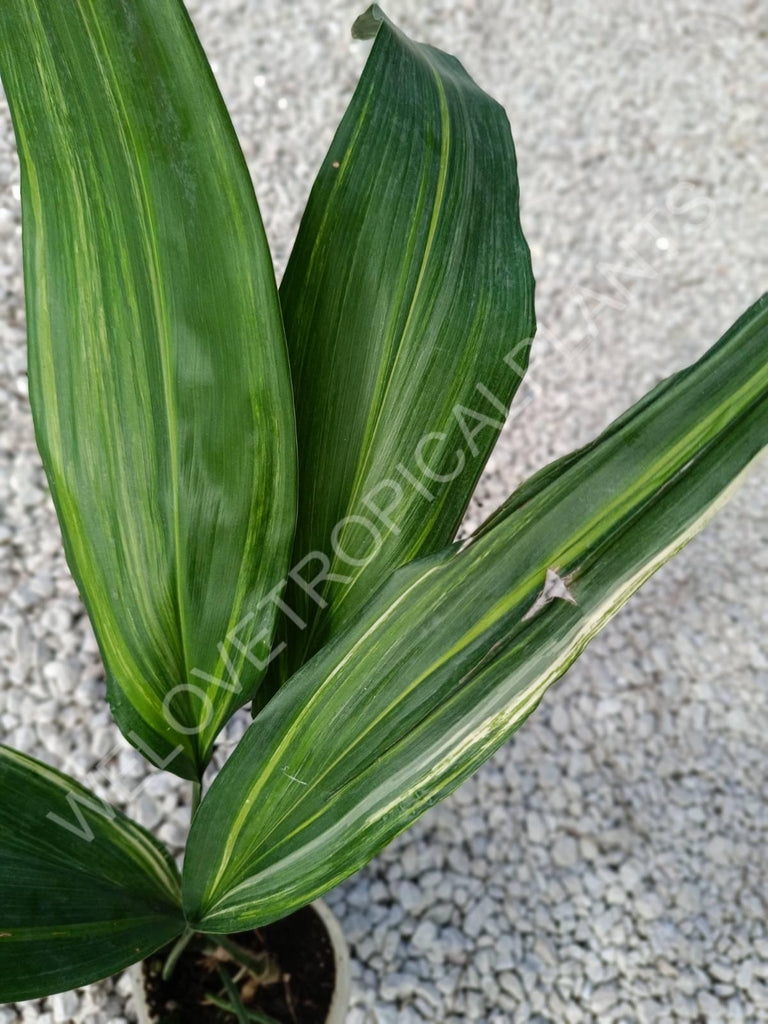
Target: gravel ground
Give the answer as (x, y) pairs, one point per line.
(610, 863)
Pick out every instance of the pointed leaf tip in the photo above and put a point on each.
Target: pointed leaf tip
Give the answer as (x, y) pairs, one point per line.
(369, 23)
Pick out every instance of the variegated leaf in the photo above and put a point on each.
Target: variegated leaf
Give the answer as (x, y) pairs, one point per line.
(457, 649)
(157, 363)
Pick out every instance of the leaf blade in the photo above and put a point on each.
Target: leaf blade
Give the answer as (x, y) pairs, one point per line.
(409, 283)
(84, 891)
(457, 649)
(158, 373)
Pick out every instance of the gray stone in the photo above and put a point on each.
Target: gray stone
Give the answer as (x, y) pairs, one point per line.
(565, 852)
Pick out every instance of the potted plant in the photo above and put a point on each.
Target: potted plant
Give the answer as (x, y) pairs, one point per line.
(259, 493)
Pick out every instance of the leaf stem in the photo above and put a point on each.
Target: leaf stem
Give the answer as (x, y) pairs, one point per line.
(197, 792)
(181, 944)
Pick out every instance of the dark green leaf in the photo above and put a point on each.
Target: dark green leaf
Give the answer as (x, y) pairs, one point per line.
(84, 891)
(408, 305)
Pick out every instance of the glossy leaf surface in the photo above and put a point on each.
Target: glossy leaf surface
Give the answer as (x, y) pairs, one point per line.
(157, 363)
(84, 891)
(457, 649)
(408, 306)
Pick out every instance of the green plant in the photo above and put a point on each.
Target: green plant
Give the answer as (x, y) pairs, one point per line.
(385, 661)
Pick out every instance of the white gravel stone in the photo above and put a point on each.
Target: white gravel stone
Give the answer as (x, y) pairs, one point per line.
(649, 906)
(565, 852)
(64, 1006)
(425, 936)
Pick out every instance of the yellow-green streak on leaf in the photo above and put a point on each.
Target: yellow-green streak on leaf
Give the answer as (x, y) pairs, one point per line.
(158, 369)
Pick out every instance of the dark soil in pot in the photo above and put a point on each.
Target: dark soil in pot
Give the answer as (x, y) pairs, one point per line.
(301, 993)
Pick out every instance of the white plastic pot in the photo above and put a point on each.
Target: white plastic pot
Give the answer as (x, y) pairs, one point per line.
(337, 1011)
